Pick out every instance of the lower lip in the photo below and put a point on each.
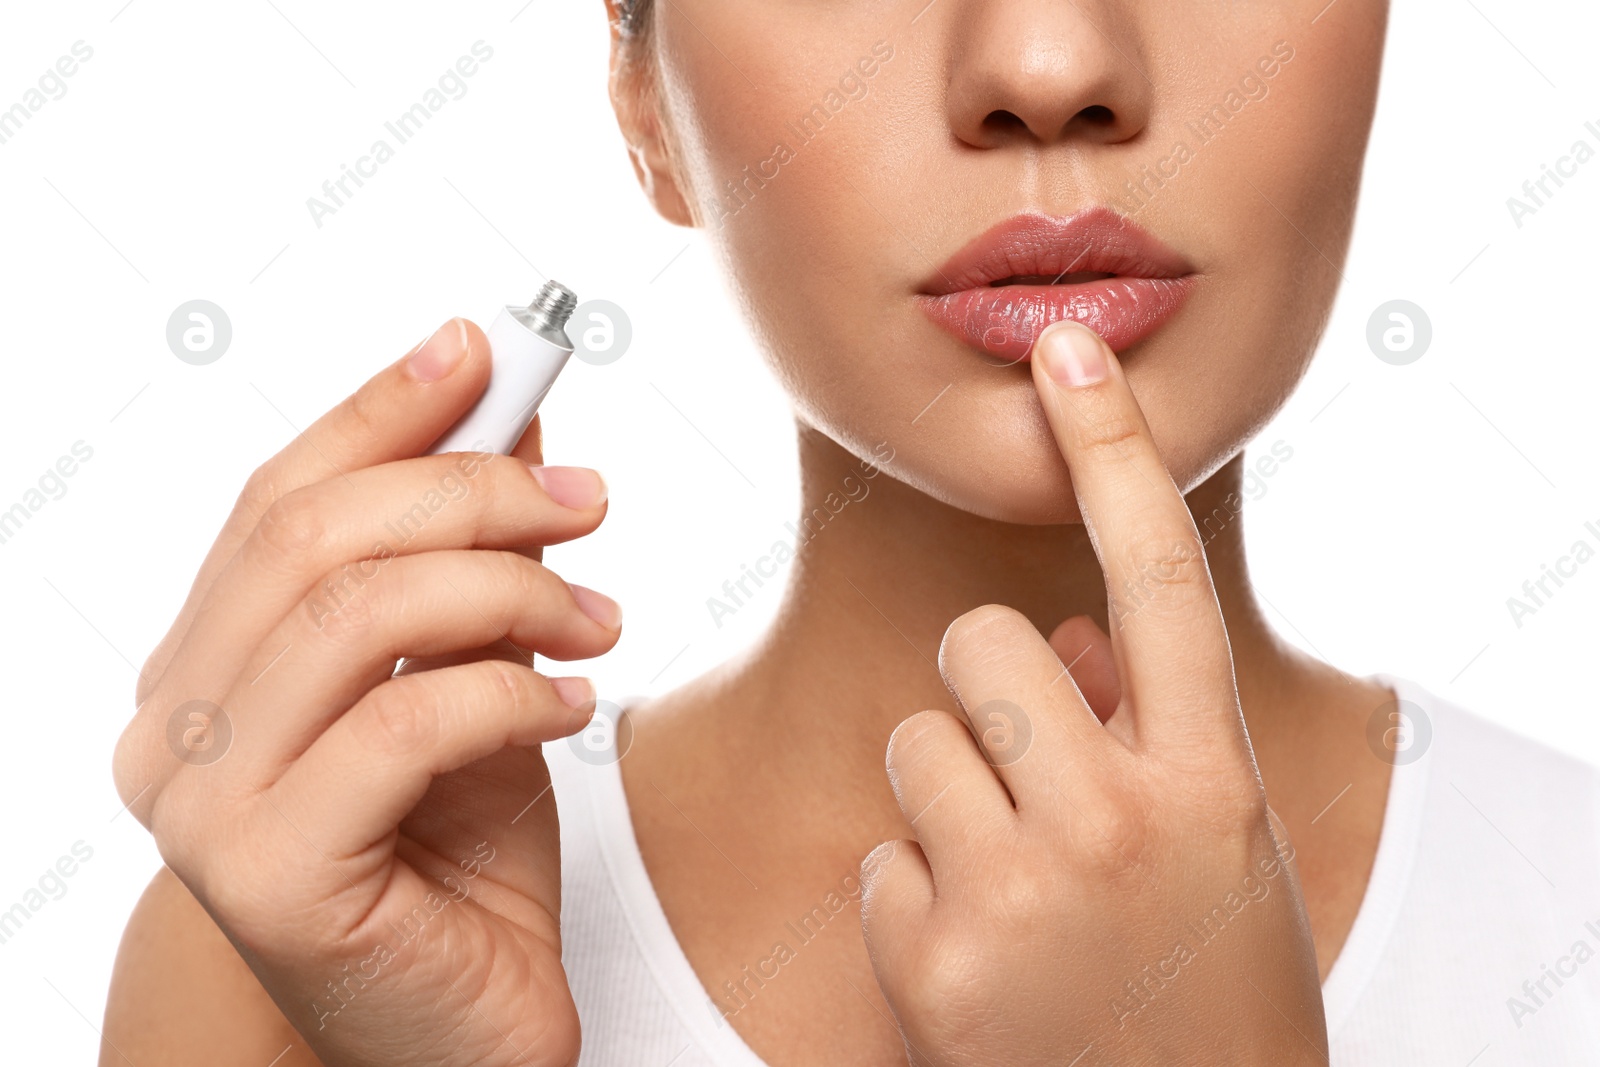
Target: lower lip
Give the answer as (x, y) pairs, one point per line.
(1004, 321)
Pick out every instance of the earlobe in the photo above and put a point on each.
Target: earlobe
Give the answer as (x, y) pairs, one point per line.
(652, 166)
(634, 100)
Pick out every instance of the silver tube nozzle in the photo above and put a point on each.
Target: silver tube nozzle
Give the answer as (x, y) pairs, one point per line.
(554, 304)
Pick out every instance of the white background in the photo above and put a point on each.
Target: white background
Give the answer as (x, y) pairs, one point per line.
(177, 166)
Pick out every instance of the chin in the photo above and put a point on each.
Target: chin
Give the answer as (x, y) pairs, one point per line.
(1039, 498)
(990, 451)
(990, 454)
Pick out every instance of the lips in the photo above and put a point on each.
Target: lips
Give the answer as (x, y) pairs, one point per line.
(1096, 267)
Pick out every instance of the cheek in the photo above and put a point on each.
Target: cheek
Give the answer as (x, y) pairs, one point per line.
(776, 87)
(1267, 206)
(795, 186)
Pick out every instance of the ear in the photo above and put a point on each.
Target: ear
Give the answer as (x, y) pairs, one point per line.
(635, 100)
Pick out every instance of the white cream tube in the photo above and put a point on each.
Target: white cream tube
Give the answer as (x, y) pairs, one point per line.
(529, 346)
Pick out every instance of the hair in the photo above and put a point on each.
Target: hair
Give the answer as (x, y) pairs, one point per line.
(634, 16)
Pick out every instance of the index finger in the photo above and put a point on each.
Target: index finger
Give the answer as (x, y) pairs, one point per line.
(1166, 626)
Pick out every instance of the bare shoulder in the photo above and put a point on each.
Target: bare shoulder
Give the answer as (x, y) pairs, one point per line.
(181, 995)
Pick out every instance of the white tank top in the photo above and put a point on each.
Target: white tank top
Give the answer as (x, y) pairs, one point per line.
(1477, 942)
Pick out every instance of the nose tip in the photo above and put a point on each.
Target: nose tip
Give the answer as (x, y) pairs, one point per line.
(1040, 74)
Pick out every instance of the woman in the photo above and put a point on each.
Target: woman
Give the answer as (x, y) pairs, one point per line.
(1122, 822)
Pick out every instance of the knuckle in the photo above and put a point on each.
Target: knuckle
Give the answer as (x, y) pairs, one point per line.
(1023, 892)
(1110, 431)
(528, 579)
(154, 667)
(345, 611)
(519, 686)
(292, 526)
(533, 575)
(1154, 565)
(245, 904)
(171, 827)
(260, 490)
(398, 720)
(1110, 840)
(945, 980)
(1236, 806)
(1177, 560)
(132, 771)
(149, 674)
(127, 763)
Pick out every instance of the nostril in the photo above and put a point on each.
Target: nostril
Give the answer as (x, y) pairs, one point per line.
(1097, 115)
(1002, 125)
(1003, 122)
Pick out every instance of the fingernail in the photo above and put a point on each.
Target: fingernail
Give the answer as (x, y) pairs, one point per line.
(1073, 354)
(439, 354)
(571, 487)
(574, 692)
(599, 607)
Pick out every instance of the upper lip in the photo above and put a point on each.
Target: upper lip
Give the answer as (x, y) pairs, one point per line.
(1037, 245)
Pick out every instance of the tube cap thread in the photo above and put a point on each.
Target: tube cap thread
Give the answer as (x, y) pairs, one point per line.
(554, 304)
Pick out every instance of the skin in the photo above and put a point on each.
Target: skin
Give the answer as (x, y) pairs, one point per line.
(996, 519)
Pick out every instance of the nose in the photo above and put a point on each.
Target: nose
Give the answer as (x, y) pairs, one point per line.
(1044, 71)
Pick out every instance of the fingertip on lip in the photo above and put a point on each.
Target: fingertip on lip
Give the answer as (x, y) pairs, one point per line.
(1064, 324)
(1056, 338)
(1072, 354)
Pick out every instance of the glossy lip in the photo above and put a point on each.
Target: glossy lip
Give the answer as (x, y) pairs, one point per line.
(1150, 282)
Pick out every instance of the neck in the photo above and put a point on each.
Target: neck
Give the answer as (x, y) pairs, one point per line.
(881, 569)
(777, 757)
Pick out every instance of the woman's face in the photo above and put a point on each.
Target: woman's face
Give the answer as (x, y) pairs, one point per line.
(904, 192)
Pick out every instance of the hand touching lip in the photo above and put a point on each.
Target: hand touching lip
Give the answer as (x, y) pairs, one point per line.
(1097, 267)
(1041, 880)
